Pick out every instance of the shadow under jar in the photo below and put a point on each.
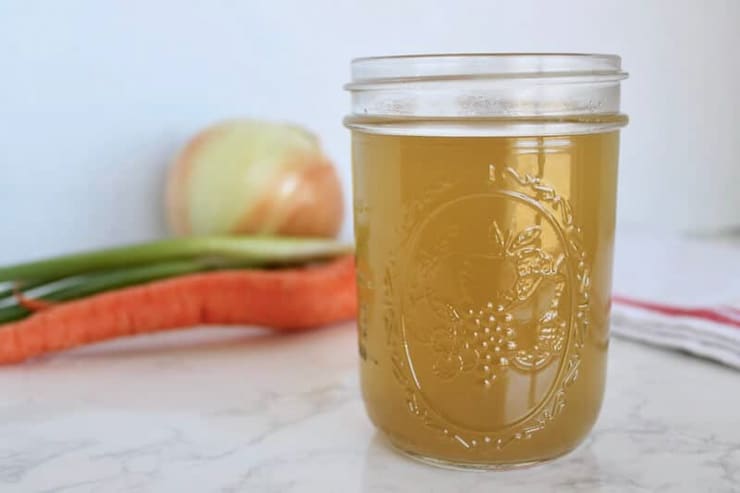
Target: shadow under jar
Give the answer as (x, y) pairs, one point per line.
(484, 207)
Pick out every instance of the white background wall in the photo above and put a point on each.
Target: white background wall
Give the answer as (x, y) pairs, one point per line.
(96, 96)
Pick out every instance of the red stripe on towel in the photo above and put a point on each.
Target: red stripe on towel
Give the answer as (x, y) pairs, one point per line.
(678, 311)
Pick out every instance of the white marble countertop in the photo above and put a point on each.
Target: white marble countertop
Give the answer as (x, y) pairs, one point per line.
(230, 410)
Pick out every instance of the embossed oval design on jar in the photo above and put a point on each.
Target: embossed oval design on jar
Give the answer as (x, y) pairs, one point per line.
(488, 312)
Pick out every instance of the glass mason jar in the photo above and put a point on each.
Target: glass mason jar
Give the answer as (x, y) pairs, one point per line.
(484, 207)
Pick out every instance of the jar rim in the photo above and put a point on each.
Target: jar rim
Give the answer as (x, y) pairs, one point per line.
(373, 70)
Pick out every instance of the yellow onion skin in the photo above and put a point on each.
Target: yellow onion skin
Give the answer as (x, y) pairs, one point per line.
(254, 177)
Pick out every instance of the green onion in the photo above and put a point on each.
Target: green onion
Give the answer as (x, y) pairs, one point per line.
(256, 251)
(79, 275)
(105, 281)
(22, 286)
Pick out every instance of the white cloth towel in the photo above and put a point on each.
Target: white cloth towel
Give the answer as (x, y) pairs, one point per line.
(680, 293)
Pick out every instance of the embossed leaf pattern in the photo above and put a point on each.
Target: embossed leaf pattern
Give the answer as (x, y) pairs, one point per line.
(443, 340)
(442, 309)
(498, 236)
(526, 237)
(550, 340)
(525, 286)
(534, 261)
(447, 366)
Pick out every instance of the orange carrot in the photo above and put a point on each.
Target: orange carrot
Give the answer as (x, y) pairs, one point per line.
(289, 299)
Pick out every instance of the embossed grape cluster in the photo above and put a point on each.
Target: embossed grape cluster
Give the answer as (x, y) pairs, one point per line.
(483, 341)
(491, 335)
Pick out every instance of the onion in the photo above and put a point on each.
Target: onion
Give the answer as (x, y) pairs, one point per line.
(254, 177)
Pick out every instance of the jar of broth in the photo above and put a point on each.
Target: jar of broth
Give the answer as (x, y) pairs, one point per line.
(484, 208)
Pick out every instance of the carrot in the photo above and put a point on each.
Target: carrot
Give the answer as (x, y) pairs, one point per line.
(96, 282)
(289, 299)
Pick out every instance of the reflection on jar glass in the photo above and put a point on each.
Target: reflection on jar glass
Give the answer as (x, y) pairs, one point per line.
(484, 199)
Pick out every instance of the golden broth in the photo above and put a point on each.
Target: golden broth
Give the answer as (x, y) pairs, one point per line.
(484, 275)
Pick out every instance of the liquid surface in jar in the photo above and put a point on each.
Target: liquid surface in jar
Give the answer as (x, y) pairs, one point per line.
(484, 274)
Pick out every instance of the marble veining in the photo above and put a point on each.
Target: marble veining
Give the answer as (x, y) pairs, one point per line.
(235, 410)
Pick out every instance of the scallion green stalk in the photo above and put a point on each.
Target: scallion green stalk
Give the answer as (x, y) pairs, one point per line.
(254, 251)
